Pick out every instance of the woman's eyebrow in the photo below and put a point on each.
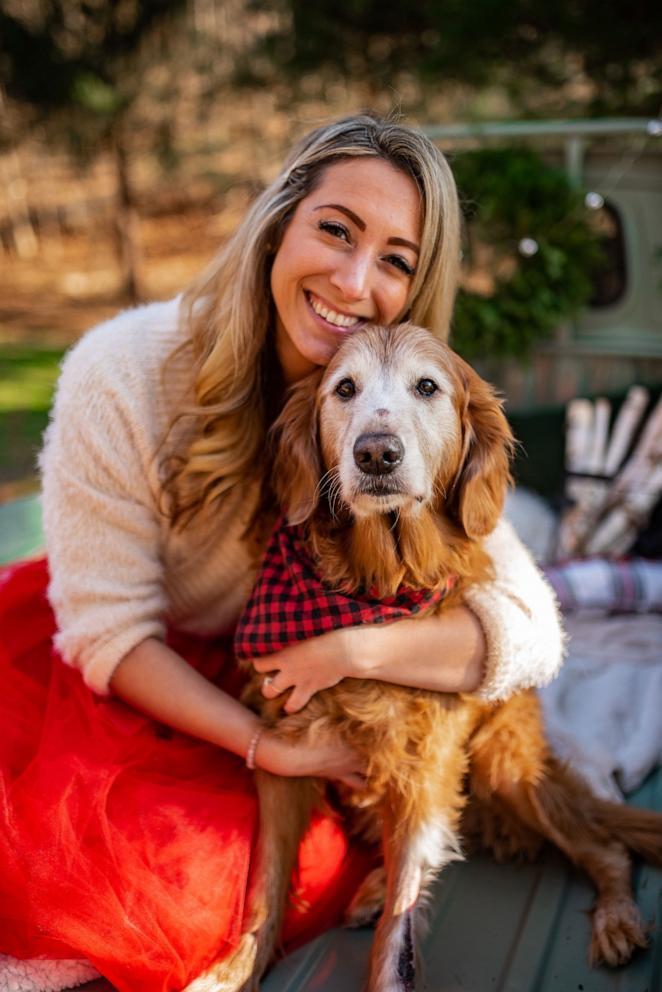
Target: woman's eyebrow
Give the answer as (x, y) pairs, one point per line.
(405, 244)
(362, 226)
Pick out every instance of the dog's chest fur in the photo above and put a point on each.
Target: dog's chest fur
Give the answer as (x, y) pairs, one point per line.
(398, 729)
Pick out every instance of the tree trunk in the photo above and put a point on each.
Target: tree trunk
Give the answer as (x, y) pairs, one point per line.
(127, 223)
(22, 232)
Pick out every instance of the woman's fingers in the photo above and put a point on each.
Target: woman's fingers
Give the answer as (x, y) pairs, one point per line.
(274, 684)
(268, 688)
(298, 699)
(306, 667)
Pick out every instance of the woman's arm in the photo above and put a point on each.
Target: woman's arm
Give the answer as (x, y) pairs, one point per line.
(444, 653)
(155, 680)
(508, 637)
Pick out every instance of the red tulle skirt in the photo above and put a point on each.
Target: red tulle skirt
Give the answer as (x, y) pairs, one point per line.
(121, 841)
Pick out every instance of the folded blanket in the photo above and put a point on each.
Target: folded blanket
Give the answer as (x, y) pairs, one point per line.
(603, 711)
(629, 586)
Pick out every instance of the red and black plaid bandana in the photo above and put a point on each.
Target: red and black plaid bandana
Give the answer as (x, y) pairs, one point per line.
(291, 603)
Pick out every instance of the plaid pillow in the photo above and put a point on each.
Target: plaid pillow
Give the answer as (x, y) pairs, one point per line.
(291, 603)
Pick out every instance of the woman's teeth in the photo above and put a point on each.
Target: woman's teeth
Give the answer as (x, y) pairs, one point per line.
(339, 319)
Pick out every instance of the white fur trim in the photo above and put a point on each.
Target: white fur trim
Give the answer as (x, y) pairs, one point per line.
(43, 975)
(520, 619)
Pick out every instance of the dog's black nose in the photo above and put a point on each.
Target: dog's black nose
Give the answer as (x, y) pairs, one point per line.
(378, 454)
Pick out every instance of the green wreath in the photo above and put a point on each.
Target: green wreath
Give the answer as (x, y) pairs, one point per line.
(532, 230)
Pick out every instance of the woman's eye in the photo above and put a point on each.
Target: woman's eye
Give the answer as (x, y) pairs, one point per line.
(426, 387)
(335, 229)
(345, 389)
(401, 263)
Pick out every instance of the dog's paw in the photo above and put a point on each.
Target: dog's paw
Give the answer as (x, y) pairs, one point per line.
(617, 932)
(367, 905)
(233, 974)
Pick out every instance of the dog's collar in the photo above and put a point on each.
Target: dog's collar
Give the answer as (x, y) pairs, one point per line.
(290, 602)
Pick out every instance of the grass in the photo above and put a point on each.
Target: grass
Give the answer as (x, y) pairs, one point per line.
(28, 374)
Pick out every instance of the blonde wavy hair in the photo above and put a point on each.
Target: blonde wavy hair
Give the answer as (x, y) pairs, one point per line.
(228, 311)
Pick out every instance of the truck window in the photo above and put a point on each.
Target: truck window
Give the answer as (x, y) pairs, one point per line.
(610, 279)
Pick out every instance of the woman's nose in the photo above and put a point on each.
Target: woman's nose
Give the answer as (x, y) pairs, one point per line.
(351, 277)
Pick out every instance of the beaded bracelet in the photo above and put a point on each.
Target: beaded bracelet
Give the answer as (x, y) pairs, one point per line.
(252, 747)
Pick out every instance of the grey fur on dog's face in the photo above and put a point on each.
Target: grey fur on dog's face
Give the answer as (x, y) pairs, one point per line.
(393, 383)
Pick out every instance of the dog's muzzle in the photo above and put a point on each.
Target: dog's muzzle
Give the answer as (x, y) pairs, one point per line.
(378, 454)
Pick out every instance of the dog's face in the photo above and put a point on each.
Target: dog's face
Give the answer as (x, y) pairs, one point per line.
(396, 423)
(387, 421)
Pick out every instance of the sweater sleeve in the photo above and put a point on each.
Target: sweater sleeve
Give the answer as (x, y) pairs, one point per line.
(101, 516)
(520, 619)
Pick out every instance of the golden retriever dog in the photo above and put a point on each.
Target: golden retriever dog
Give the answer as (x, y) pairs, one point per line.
(394, 463)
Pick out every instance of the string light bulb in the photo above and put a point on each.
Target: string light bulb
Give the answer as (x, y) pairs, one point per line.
(528, 247)
(594, 201)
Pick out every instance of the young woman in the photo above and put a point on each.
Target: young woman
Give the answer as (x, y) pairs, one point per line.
(127, 829)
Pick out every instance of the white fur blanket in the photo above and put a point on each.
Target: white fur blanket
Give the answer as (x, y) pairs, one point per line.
(603, 710)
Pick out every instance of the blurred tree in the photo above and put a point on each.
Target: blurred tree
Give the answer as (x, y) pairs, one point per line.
(529, 251)
(75, 68)
(21, 232)
(605, 60)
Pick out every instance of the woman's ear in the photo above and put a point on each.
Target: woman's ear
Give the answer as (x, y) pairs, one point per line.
(297, 465)
(480, 486)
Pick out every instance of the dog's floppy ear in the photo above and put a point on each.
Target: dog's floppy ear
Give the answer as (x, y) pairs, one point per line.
(479, 488)
(297, 465)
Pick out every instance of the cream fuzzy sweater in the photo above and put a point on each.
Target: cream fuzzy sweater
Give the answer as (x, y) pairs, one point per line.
(120, 573)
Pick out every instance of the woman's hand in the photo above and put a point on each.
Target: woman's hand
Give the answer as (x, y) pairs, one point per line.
(327, 759)
(444, 653)
(307, 667)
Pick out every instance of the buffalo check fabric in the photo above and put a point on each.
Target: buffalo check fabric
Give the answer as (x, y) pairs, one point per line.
(291, 603)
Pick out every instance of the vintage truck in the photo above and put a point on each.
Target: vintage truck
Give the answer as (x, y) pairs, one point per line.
(616, 340)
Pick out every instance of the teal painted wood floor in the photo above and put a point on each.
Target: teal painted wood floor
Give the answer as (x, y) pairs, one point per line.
(495, 928)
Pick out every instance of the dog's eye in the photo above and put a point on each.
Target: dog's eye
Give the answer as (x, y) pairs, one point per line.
(345, 389)
(426, 387)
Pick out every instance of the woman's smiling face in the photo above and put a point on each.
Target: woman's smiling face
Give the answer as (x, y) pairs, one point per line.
(348, 256)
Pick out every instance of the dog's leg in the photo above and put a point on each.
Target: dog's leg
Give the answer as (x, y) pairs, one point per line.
(510, 761)
(413, 855)
(368, 903)
(554, 806)
(285, 807)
